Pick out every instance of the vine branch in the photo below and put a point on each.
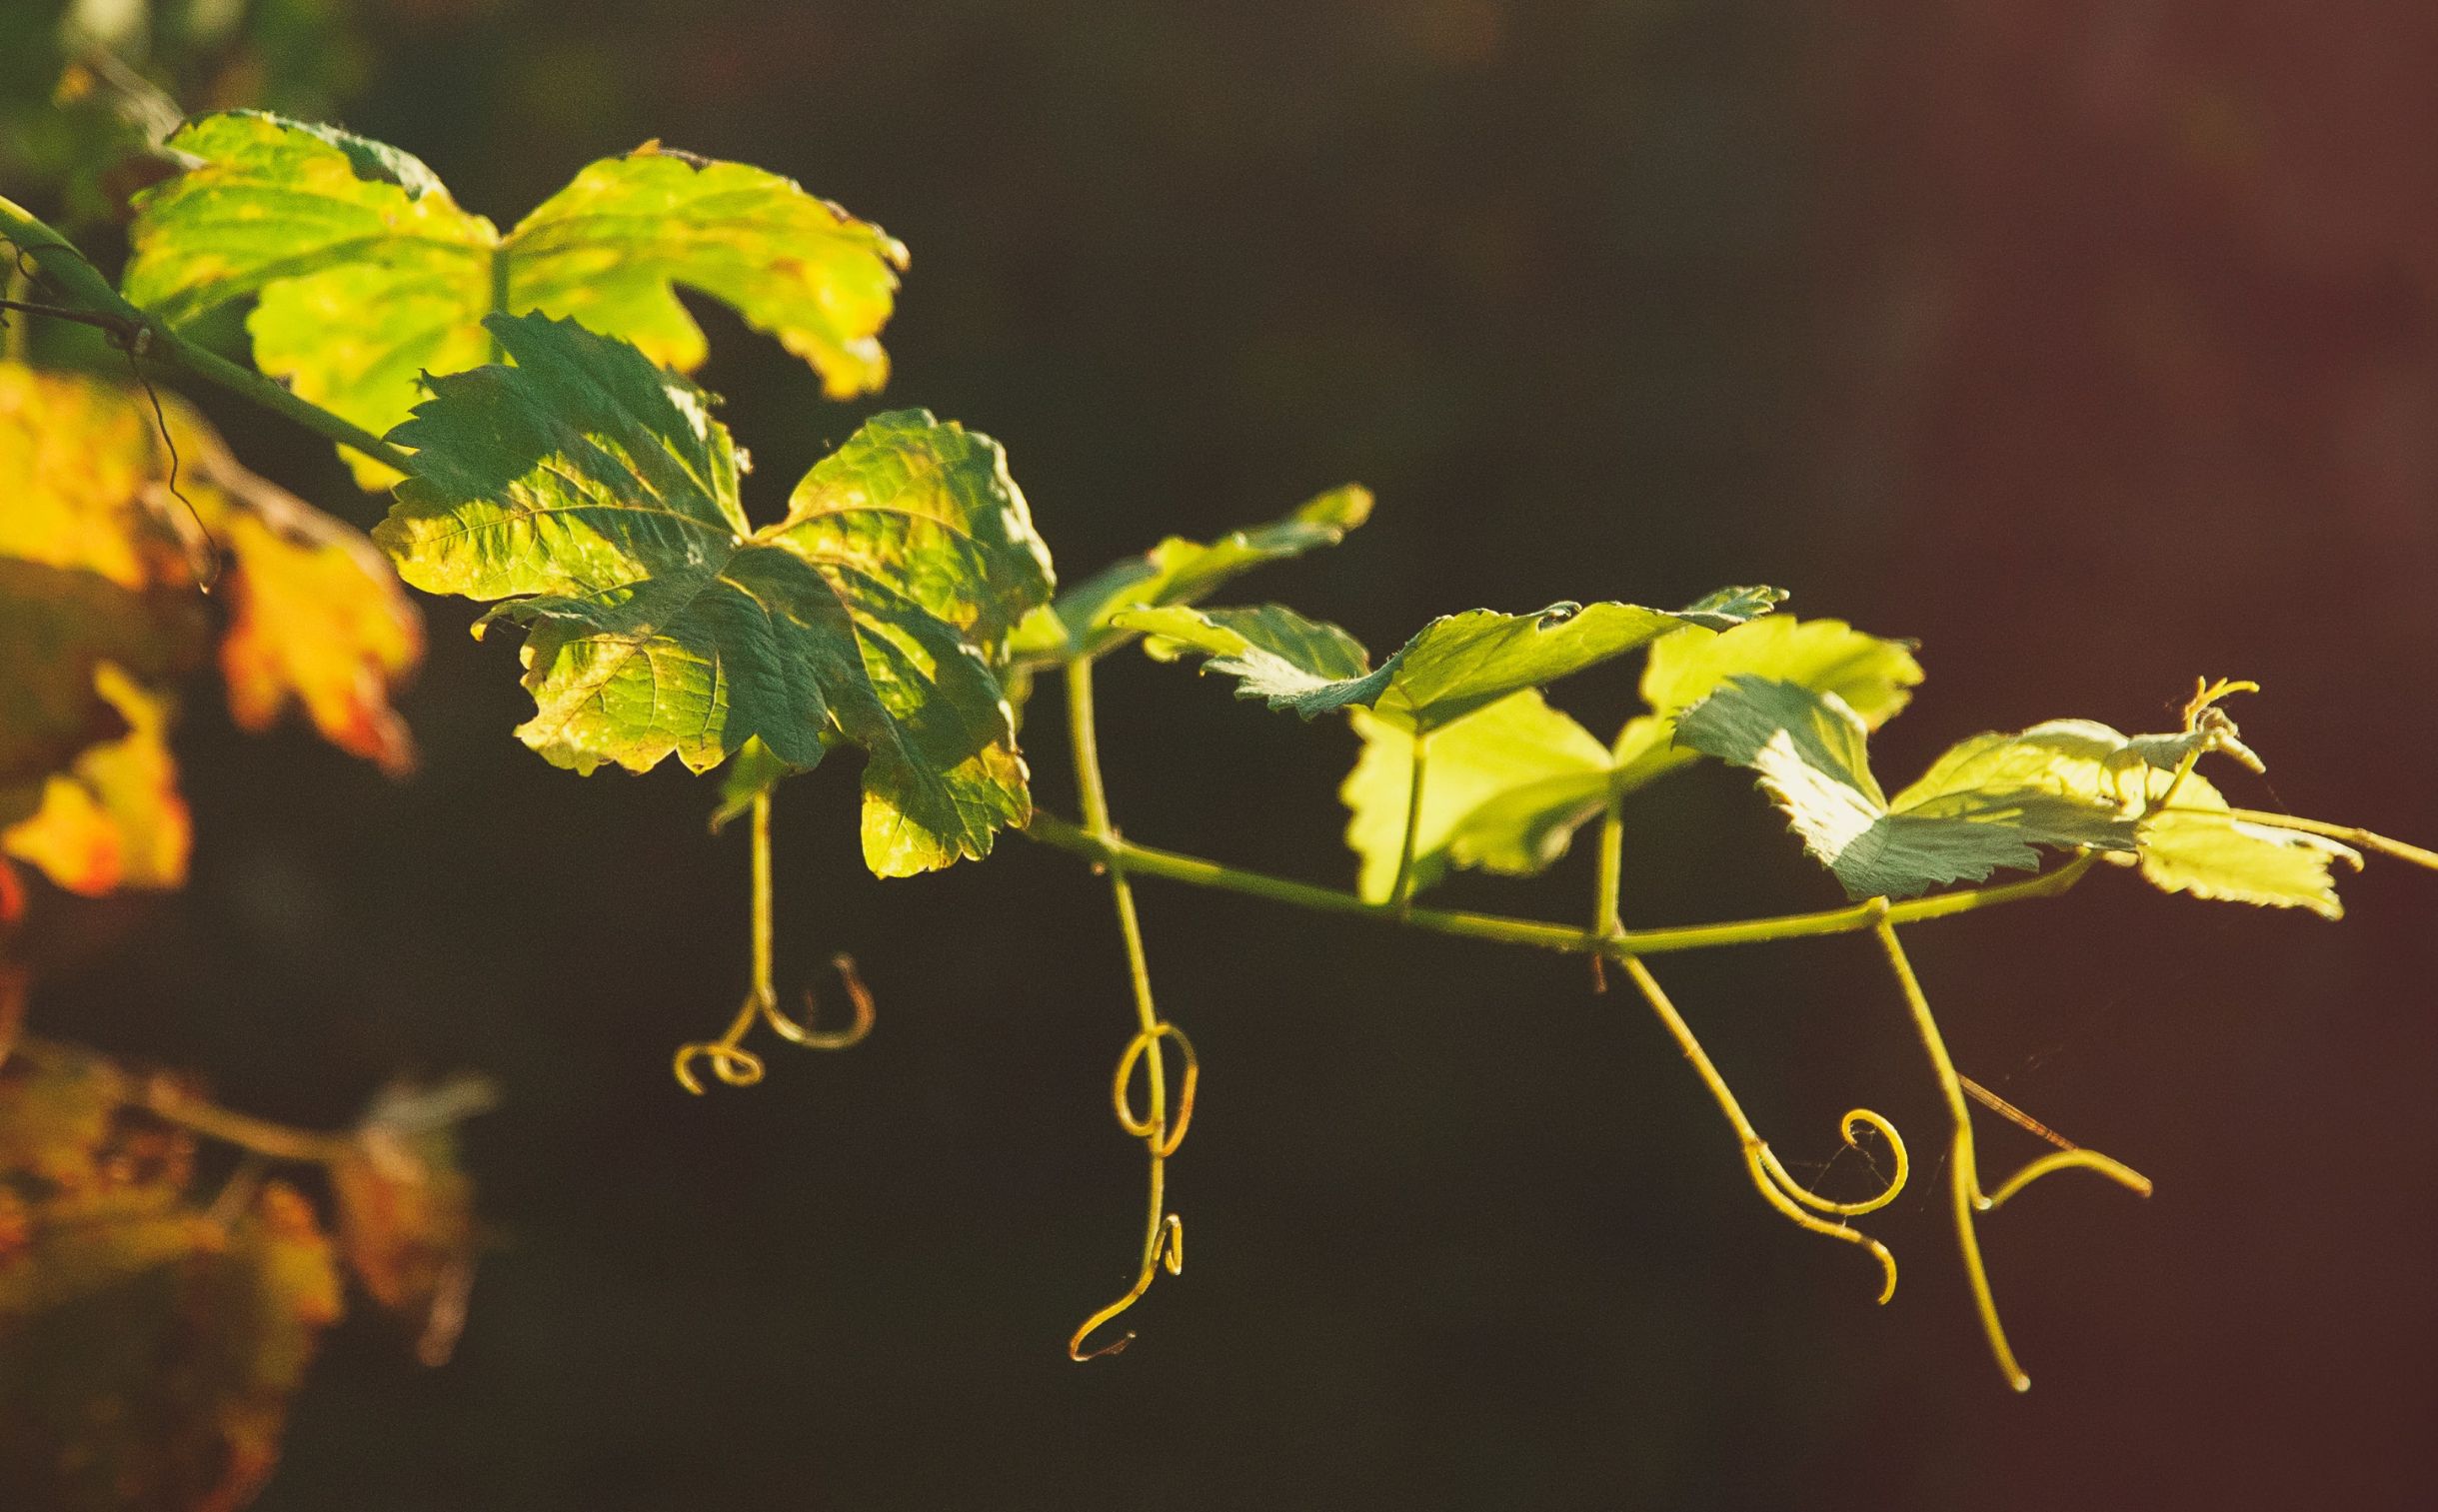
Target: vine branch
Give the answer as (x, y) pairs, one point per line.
(95, 303)
(172, 1103)
(1113, 851)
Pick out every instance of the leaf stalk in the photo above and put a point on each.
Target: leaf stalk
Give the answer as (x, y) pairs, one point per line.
(67, 270)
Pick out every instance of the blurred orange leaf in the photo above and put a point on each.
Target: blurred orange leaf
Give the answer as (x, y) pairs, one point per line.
(109, 528)
(115, 818)
(406, 1209)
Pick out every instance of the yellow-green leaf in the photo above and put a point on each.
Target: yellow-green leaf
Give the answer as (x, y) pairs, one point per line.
(1961, 822)
(1176, 570)
(2196, 846)
(1505, 785)
(1451, 667)
(367, 273)
(593, 496)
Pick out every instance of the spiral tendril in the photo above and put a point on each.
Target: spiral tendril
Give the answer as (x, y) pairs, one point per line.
(729, 1061)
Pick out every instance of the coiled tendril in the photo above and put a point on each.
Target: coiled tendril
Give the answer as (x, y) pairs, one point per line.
(729, 1061)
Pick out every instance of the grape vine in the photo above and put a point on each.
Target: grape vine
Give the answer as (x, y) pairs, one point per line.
(521, 394)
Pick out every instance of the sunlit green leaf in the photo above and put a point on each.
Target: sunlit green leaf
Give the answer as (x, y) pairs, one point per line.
(1507, 786)
(1453, 664)
(1178, 570)
(1874, 676)
(2195, 845)
(595, 496)
(1962, 821)
(366, 273)
(1272, 651)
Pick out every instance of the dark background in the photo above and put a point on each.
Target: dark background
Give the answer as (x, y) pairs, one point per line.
(2092, 344)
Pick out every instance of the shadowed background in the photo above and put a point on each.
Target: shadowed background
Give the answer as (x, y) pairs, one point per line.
(2093, 344)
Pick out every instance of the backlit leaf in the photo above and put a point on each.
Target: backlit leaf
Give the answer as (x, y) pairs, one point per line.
(1456, 664)
(1507, 786)
(115, 818)
(1963, 821)
(2196, 846)
(1177, 570)
(2195, 843)
(594, 497)
(1874, 676)
(1272, 651)
(61, 628)
(366, 273)
(315, 616)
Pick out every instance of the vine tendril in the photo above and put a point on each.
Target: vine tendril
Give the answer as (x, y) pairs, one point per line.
(729, 1061)
(1164, 1240)
(1147, 1127)
(1855, 1118)
(1792, 1200)
(1964, 1181)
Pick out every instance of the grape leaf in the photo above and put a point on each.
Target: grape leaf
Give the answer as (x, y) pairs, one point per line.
(147, 1346)
(1272, 651)
(1176, 570)
(593, 496)
(318, 618)
(1453, 665)
(115, 818)
(1964, 819)
(148, 1353)
(1509, 784)
(366, 273)
(2197, 846)
(1876, 677)
(2195, 843)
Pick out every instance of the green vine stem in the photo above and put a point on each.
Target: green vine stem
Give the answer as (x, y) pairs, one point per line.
(67, 270)
(2345, 833)
(16, 341)
(90, 299)
(1113, 851)
(1608, 882)
(1164, 1239)
(1401, 894)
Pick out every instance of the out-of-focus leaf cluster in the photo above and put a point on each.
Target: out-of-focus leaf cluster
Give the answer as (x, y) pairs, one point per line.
(115, 518)
(89, 89)
(154, 1324)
